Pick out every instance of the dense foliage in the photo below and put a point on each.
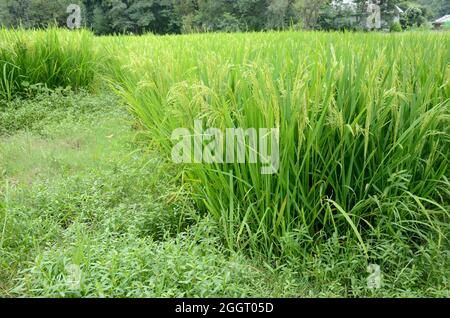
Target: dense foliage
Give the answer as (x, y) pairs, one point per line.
(363, 129)
(92, 205)
(184, 16)
(87, 211)
(53, 58)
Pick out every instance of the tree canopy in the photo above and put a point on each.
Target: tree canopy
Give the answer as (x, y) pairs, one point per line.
(184, 16)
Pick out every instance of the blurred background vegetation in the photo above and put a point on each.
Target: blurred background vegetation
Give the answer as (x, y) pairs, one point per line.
(187, 16)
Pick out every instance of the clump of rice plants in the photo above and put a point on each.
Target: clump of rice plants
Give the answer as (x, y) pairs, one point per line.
(53, 58)
(363, 119)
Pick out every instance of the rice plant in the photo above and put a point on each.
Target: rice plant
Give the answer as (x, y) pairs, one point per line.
(53, 58)
(363, 119)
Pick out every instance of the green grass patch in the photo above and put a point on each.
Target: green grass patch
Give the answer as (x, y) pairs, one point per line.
(86, 210)
(92, 206)
(52, 58)
(363, 120)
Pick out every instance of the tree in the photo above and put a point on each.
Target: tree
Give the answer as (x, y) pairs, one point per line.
(215, 15)
(135, 16)
(276, 13)
(427, 12)
(413, 17)
(309, 11)
(18, 11)
(177, 16)
(100, 22)
(4, 14)
(35, 13)
(438, 8)
(339, 16)
(252, 14)
(42, 13)
(166, 20)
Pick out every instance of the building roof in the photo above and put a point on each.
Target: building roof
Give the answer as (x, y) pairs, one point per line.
(444, 19)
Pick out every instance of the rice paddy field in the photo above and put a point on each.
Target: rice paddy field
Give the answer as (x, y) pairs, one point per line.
(92, 205)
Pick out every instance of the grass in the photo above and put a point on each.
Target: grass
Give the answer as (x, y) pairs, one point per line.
(51, 58)
(363, 129)
(85, 192)
(92, 206)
